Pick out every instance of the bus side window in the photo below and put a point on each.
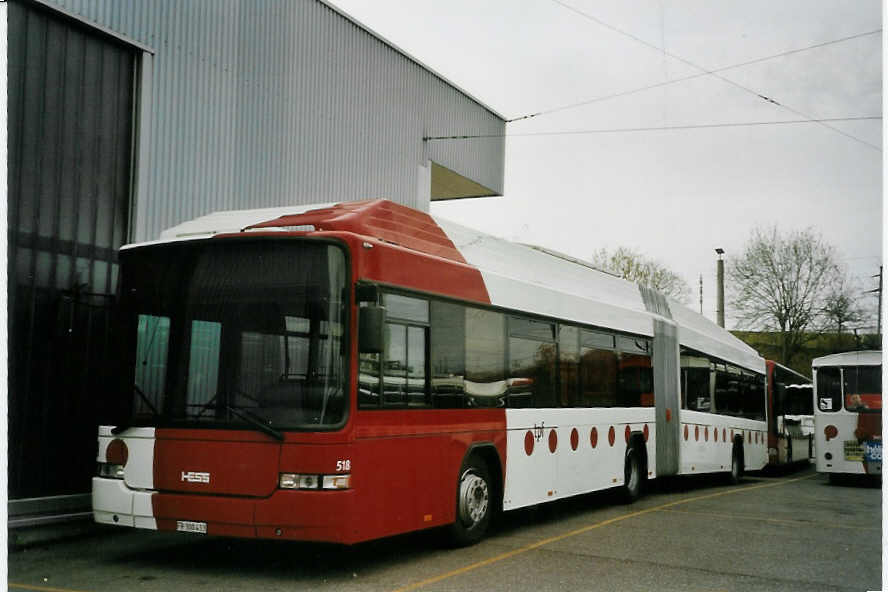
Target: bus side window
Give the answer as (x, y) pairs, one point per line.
(598, 377)
(368, 381)
(485, 383)
(448, 355)
(829, 389)
(568, 365)
(404, 360)
(635, 382)
(753, 401)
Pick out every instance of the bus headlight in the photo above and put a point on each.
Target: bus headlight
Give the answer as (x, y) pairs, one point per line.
(298, 481)
(336, 481)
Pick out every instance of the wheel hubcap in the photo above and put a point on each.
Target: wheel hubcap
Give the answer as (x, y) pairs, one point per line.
(474, 498)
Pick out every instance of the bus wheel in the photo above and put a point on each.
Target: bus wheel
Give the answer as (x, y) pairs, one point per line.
(632, 475)
(736, 465)
(473, 503)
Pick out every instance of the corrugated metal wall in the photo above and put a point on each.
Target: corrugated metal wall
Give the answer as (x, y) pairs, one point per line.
(256, 104)
(70, 100)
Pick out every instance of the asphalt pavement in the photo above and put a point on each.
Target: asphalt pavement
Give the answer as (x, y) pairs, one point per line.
(787, 532)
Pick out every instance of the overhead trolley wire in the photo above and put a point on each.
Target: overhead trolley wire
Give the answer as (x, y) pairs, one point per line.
(690, 77)
(657, 129)
(714, 73)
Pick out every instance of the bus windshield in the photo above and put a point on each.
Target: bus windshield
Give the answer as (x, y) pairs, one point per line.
(247, 334)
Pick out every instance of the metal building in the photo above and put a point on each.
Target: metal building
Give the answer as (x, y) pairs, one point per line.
(129, 116)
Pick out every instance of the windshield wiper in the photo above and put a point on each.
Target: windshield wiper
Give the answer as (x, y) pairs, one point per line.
(256, 421)
(154, 413)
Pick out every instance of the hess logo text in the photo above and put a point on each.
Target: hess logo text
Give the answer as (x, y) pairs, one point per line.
(195, 477)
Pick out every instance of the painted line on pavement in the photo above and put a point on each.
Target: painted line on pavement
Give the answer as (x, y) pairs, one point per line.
(40, 588)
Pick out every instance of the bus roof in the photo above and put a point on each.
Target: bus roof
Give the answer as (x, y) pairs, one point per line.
(516, 276)
(855, 358)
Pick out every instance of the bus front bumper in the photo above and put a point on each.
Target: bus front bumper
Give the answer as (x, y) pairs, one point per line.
(322, 516)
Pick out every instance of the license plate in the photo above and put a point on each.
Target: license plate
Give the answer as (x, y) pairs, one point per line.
(872, 451)
(188, 526)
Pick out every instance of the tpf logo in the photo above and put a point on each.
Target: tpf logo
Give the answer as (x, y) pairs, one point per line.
(195, 477)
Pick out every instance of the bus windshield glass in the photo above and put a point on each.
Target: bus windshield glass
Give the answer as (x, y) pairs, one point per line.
(863, 388)
(240, 334)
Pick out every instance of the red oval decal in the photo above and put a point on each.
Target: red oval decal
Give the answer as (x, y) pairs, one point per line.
(646, 432)
(697, 433)
(553, 441)
(528, 442)
(574, 439)
(627, 433)
(117, 453)
(611, 435)
(593, 437)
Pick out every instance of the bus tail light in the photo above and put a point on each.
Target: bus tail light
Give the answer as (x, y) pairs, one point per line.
(110, 471)
(297, 481)
(830, 432)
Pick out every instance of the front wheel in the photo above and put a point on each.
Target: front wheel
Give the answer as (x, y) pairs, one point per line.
(473, 503)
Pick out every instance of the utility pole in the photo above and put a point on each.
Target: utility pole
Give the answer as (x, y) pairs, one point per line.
(701, 293)
(720, 288)
(879, 290)
(880, 303)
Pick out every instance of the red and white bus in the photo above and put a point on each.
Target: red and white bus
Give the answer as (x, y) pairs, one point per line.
(790, 416)
(848, 413)
(346, 372)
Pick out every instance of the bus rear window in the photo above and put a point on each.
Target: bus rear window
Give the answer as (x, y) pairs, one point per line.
(829, 389)
(863, 388)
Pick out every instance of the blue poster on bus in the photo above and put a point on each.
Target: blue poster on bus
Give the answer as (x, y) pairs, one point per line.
(872, 451)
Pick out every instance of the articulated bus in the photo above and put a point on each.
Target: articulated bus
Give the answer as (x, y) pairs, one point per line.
(346, 372)
(790, 416)
(848, 413)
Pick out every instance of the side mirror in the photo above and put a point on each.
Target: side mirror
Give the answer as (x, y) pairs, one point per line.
(371, 327)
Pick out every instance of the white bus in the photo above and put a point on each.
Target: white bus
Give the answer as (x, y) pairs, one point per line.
(848, 413)
(287, 370)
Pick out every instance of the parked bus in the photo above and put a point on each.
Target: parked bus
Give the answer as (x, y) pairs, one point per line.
(790, 416)
(848, 413)
(348, 372)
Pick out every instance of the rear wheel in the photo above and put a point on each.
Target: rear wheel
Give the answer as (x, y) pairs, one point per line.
(736, 474)
(473, 503)
(632, 476)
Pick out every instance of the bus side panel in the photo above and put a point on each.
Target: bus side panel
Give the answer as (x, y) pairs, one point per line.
(405, 469)
(707, 441)
(544, 464)
(666, 396)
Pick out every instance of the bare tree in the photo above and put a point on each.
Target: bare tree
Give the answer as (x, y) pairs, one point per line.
(633, 266)
(782, 283)
(841, 306)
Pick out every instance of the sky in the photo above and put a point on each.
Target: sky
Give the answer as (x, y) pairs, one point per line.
(673, 195)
